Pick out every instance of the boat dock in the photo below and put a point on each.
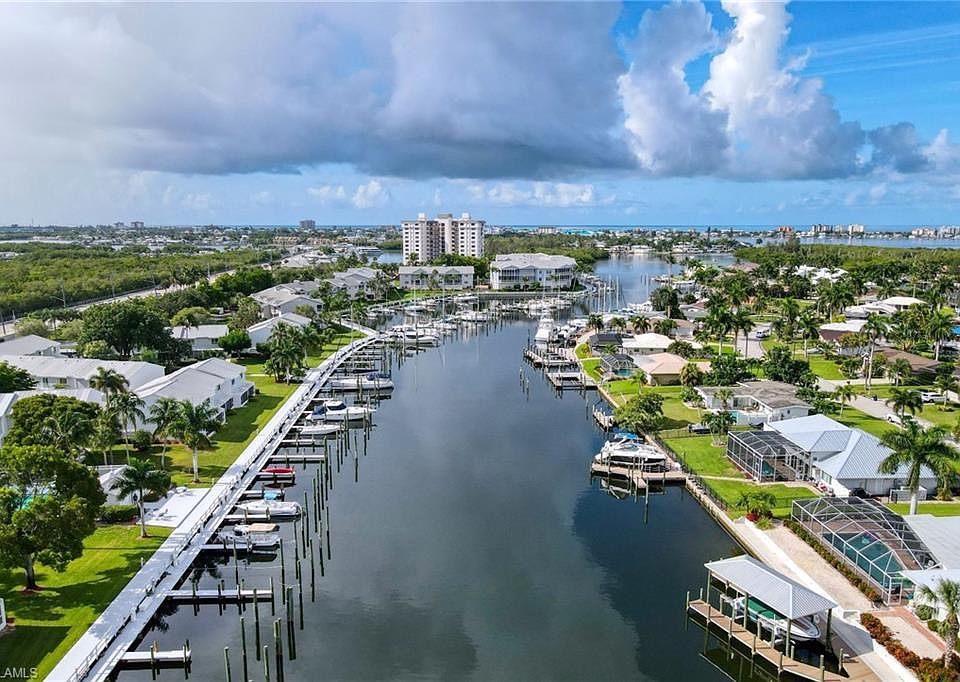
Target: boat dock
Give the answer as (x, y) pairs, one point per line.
(605, 420)
(298, 458)
(563, 381)
(545, 358)
(723, 625)
(153, 659)
(639, 478)
(224, 595)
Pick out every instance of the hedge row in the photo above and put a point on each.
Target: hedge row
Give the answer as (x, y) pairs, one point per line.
(927, 669)
(855, 579)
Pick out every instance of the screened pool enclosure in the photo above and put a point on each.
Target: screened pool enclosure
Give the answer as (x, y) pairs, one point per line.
(869, 538)
(767, 456)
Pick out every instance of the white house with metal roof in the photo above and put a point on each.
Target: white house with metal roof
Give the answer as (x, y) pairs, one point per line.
(356, 282)
(224, 384)
(523, 270)
(283, 298)
(30, 344)
(843, 459)
(203, 338)
(436, 276)
(261, 331)
(57, 372)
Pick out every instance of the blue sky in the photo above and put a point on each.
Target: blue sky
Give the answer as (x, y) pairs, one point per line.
(527, 113)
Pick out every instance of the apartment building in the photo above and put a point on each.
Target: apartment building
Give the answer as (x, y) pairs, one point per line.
(427, 238)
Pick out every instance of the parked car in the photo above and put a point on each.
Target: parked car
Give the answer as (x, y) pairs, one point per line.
(762, 333)
(698, 428)
(894, 419)
(931, 396)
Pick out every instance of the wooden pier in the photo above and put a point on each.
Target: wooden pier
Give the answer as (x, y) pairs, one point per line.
(275, 477)
(725, 626)
(298, 458)
(570, 380)
(153, 659)
(638, 477)
(606, 421)
(546, 358)
(225, 595)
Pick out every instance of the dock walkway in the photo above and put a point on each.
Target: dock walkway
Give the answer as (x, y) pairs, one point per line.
(854, 671)
(102, 647)
(637, 477)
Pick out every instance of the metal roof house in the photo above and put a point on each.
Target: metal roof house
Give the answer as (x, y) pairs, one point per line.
(223, 384)
(835, 457)
(30, 344)
(57, 372)
(260, 332)
(203, 337)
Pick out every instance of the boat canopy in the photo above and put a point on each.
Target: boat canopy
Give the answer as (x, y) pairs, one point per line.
(761, 582)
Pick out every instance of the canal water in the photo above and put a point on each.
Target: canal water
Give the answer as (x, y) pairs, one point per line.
(468, 542)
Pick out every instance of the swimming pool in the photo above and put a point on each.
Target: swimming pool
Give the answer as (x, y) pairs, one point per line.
(869, 554)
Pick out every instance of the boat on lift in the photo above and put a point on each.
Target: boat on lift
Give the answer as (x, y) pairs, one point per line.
(627, 450)
(256, 536)
(545, 330)
(320, 430)
(803, 629)
(371, 381)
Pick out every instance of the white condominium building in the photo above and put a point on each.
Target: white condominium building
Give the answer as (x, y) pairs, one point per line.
(427, 238)
(526, 270)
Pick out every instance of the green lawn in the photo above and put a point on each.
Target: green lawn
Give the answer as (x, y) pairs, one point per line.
(677, 414)
(48, 623)
(856, 419)
(823, 367)
(937, 414)
(730, 491)
(702, 456)
(582, 351)
(934, 508)
(592, 367)
(242, 425)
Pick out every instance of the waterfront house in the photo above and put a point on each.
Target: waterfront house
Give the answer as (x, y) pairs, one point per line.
(834, 457)
(436, 276)
(919, 365)
(31, 344)
(280, 299)
(58, 372)
(203, 338)
(532, 270)
(645, 344)
(604, 340)
(356, 282)
(887, 306)
(224, 384)
(261, 331)
(832, 331)
(663, 369)
(757, 402)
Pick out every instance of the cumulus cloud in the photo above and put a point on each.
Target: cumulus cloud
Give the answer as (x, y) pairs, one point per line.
(369, 194)
(326, 194)
(672, 131)
(542, 194)
(755, 117)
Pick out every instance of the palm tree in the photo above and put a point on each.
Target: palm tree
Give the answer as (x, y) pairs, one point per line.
(790, 309)
(109, 382)
(193, 427)
(809, 327)
(665, 326)
(946, 597)
(740, 321)
(640, 324)
(904, 399)
(105, 434)
(641, 378)
(619, 324)
(163, 414)
(939, 329)
(946, 383)
(899, 369)
(69, 431)
(691, 374)
(843, 394)
(718, 323)
(875, 328)
(719, 424)
(128, 410)
(138, 479)
(724, 395)
(595, 321)
(918, 449)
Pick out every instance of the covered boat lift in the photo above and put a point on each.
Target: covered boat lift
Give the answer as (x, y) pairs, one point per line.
(786, 599)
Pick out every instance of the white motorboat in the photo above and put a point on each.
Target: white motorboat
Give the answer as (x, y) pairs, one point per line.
(271, 508)
(319, 430)
(628, 450)
(255, 535)
(337, 410)
(474, 316)
(803, 629)
(544, 330)
(371, 381)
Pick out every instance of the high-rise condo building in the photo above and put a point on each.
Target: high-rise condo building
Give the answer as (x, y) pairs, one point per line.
(425, 239)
